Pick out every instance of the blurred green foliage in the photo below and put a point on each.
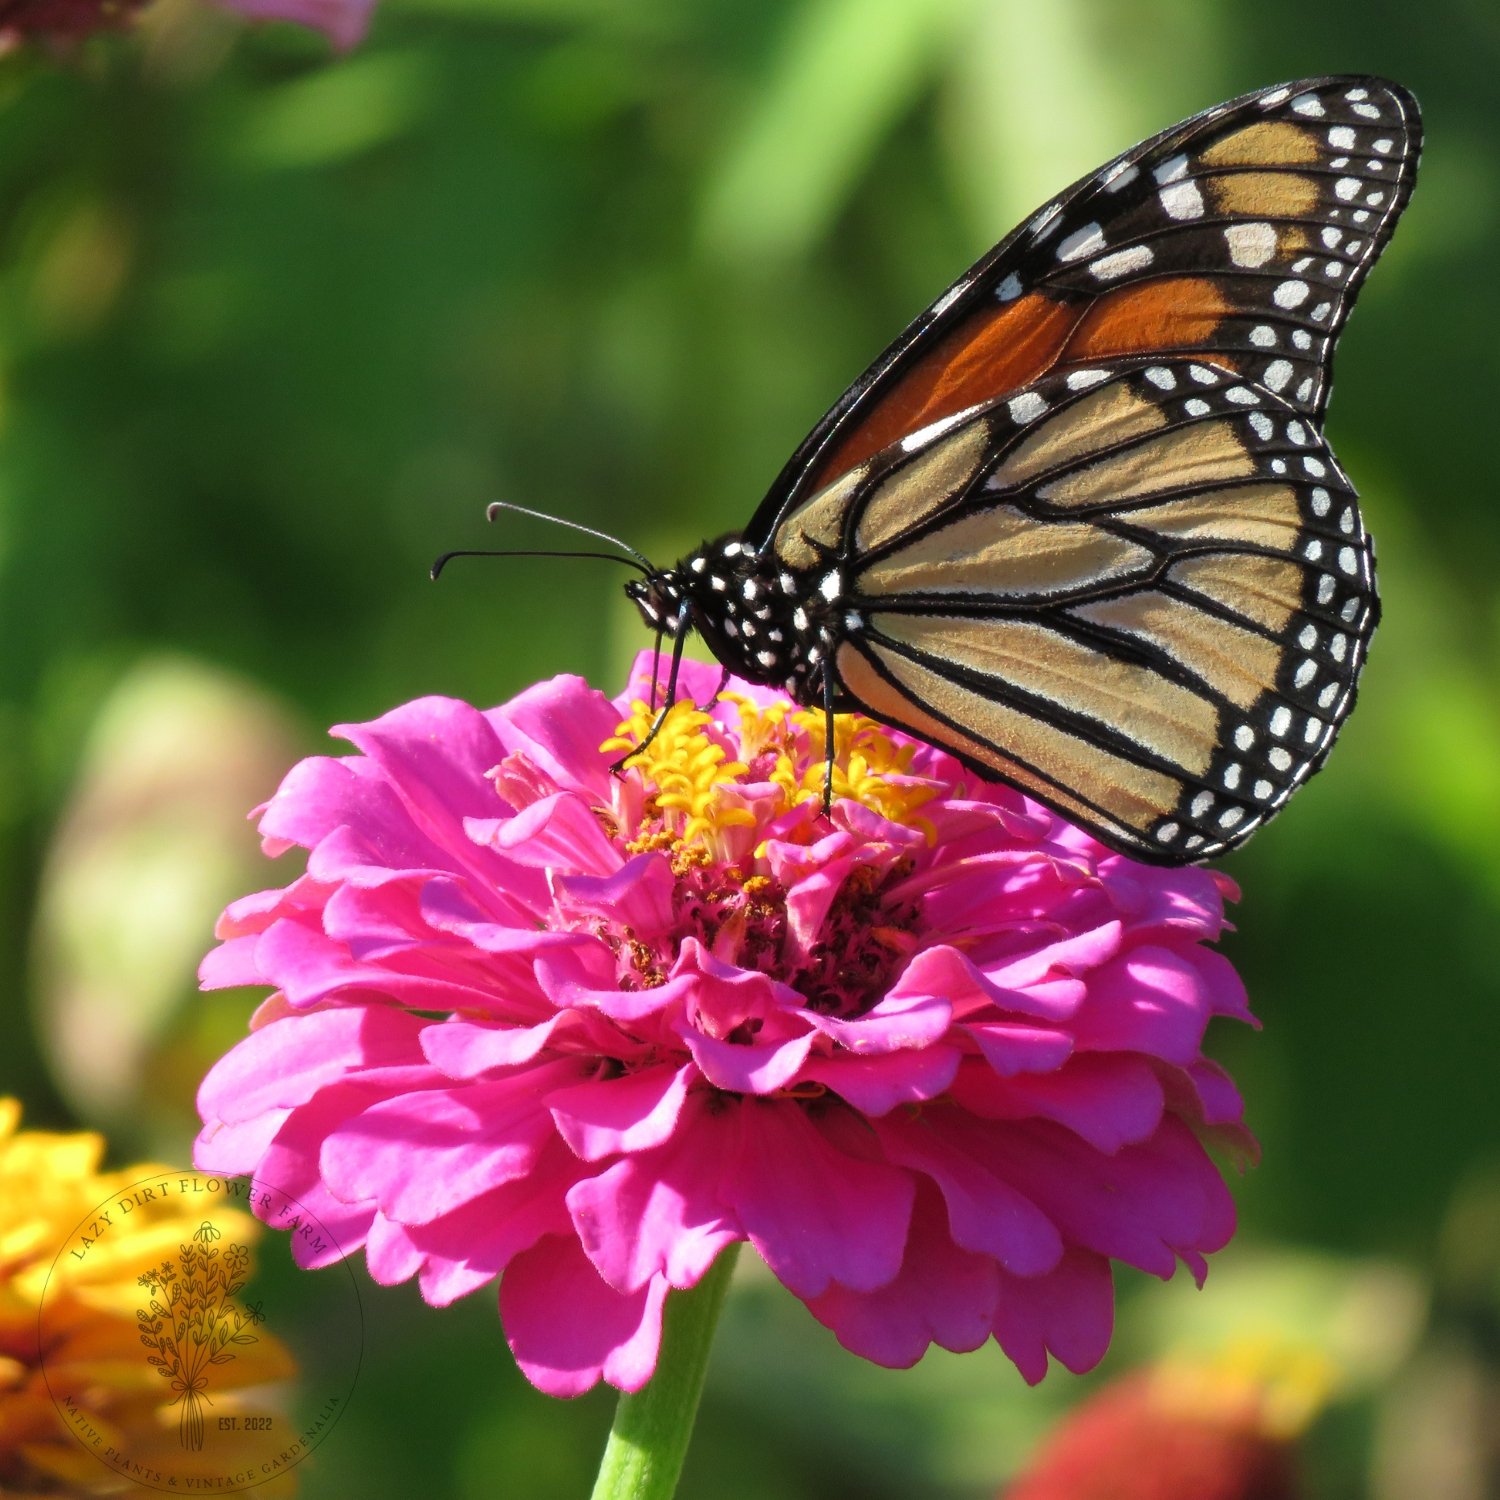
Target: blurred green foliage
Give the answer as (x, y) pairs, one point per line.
(274, 327)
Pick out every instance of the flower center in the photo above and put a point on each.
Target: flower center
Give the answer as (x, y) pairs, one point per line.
(697, 790)
(712, 799)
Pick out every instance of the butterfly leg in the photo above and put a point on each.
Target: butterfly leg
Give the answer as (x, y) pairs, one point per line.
(679, 639)
(714, 696)
(827, 736)
(655, 670)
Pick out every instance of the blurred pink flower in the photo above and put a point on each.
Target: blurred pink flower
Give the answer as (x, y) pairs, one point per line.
(937, 1057)
(343, 22)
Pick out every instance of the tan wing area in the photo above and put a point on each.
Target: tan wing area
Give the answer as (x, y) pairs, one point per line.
(1203, 454)
(1002, 552)
(1113, 414)
(1164, 718)
(1156, 630)
(1235, 663)
(1080, 780)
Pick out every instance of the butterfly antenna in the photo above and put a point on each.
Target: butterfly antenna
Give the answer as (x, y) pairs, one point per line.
(447, 557)
(541, 515)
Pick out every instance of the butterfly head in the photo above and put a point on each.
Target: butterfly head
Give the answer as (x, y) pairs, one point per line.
(660, 597)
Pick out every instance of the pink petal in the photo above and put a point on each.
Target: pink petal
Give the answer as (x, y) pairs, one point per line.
(1069, 1313)
(874, 1085)
(746, 1067)
(1149, 1000)
(638, 895)
(1073, 954)
(905, 1022)
(462, 1250)
(635, 1112)
(817, 1213)
(559, 726)
(568, 1329)
(662, 1214)
(310, 968)
(434, 753)
(985, 1214)
(1144, 1205)
(465, 1049)
(559, 832)
(231, 964)
(571, 980)
(1111, 1101)
(287, 1062)
(1011, 1048)
(943, 1296)
(424, 1153)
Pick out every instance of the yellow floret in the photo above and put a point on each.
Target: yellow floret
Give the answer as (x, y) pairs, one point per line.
(692, 782)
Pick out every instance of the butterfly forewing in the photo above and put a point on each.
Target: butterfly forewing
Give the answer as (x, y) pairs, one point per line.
(1141, 592)
(1240, 235)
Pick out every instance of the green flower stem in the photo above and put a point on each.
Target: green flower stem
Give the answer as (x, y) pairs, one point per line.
(649, 1439)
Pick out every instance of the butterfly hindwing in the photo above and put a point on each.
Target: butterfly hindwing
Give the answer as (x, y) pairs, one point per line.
(1141, 592)
(1240, 235)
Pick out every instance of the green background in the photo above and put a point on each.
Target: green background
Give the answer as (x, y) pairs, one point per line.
(275, 326)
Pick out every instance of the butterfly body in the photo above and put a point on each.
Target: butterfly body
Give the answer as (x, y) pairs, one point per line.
(765, 620)
(1079, 525)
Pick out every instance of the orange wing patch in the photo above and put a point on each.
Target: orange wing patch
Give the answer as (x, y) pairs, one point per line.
(1181, 312)
(998, 349)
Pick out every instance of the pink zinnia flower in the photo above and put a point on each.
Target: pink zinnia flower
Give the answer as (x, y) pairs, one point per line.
(937, 1056)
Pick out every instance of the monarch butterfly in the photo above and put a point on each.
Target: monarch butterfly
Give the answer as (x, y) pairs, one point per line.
(1079, 525)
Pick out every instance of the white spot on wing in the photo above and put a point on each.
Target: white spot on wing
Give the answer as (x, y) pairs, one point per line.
(1182, 200)
(1122, 262)
(1290, 294)
(1250, 245)
(924, 435)
(1026, 407)
(1081, 242)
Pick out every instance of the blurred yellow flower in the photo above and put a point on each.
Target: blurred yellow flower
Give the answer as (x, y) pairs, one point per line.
(88, 1361)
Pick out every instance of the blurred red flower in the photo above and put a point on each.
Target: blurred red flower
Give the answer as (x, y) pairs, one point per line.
(1167, 1433)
